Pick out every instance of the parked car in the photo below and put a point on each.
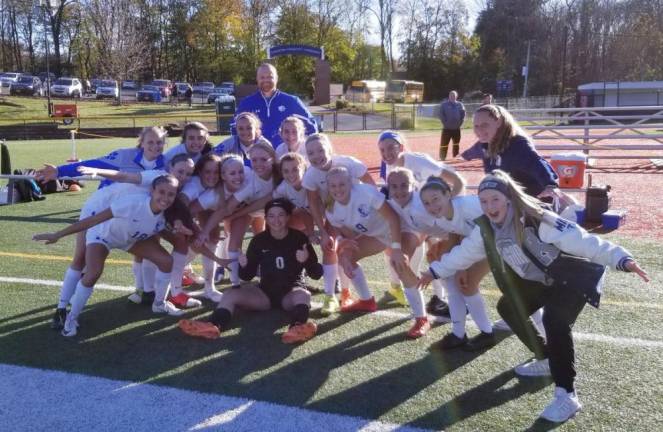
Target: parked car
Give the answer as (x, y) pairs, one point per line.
(164, 86)
(46, 78)
(202, 89)
(94, 83)
(107, 89)
(130, 85)
(10, 76)
(28, 85)
(67, 87)
(216, 92)
(230, 86)
(149, 93)
(5, 87)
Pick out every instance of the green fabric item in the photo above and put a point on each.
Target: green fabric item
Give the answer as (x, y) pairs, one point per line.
(522, 296)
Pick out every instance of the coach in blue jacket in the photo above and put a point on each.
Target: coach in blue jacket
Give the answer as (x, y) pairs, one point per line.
(272, 106)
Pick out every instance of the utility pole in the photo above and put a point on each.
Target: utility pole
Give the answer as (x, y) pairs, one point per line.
(526, 68)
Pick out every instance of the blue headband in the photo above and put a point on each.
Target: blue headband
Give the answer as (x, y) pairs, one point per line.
(495, 184)
(391, 135)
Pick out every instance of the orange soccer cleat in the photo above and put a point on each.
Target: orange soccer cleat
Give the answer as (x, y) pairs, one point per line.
(202, 329)
(300, 332)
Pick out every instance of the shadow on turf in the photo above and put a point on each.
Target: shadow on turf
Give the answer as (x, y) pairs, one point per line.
(46, 217)
(486, 396)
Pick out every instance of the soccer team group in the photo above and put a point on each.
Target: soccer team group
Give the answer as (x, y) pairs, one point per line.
(203, 199)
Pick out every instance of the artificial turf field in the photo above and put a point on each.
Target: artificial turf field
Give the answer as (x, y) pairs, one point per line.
(360, 366)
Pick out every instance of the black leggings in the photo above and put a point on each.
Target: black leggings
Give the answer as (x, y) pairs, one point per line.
(561, 307)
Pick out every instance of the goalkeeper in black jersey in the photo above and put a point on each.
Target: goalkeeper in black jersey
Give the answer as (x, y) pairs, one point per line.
(282, 254)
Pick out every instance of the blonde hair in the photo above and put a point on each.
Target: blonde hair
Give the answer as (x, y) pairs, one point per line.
(324, 140)
(524, 206)
(297, 122)
(403, 171)
(157, 130)
(337, 170)
(507, 129)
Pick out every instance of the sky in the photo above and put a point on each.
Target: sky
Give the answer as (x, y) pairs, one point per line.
(473, 8)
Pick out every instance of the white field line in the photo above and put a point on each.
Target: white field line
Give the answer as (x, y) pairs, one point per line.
(55, 399)
(592, 337)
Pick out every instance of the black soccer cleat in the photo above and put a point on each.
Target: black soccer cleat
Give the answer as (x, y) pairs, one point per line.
(438, 307)
(59, 317)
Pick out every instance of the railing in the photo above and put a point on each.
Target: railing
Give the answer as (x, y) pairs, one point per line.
(587, 127)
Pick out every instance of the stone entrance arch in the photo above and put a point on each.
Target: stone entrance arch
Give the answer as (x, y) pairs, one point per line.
(322, 67)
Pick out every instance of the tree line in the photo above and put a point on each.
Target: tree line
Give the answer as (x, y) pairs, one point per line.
(572, 41)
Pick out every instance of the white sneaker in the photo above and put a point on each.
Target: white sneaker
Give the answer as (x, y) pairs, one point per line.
(563, 407)
(501, 325)
(167, 308)
(533, 368)
(135, 298)
(70, 327)
(213, 295)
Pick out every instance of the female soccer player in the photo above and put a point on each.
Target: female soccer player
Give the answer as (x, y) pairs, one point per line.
(195, 142)
(526, 247)
(146, 156)
(292, 133)
(322, 159)
(282, 254)
(394, 153)
(248, 128)
(442, 214)
(130, 223)
(292, 167)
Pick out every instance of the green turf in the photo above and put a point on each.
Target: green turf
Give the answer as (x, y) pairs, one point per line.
(94, 114)
(357, 365)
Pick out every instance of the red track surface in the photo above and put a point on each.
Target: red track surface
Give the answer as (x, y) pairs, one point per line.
(637, 185)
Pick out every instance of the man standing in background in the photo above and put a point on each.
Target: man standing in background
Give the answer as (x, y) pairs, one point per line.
(452, 115)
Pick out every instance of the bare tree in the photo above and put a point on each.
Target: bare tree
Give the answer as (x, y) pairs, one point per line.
(122, 48)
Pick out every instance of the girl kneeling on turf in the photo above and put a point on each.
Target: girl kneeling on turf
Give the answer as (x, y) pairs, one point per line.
(282, 254)
(527, 249)
(130, 224)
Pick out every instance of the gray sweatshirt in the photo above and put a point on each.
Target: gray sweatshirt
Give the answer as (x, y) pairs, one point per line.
(452, 114)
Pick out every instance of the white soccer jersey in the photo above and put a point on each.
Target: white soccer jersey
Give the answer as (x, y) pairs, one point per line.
(283, 149)
(102, 198)
(466, 209)
(408, 222)
(422, 166)
(298, 197)
(193, 188)
(133, 220)
(254, 187)
(209, 200)
(361, 214)
(316, 179)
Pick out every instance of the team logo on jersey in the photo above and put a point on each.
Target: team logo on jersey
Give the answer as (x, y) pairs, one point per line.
(281, 108)
(363, 210)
